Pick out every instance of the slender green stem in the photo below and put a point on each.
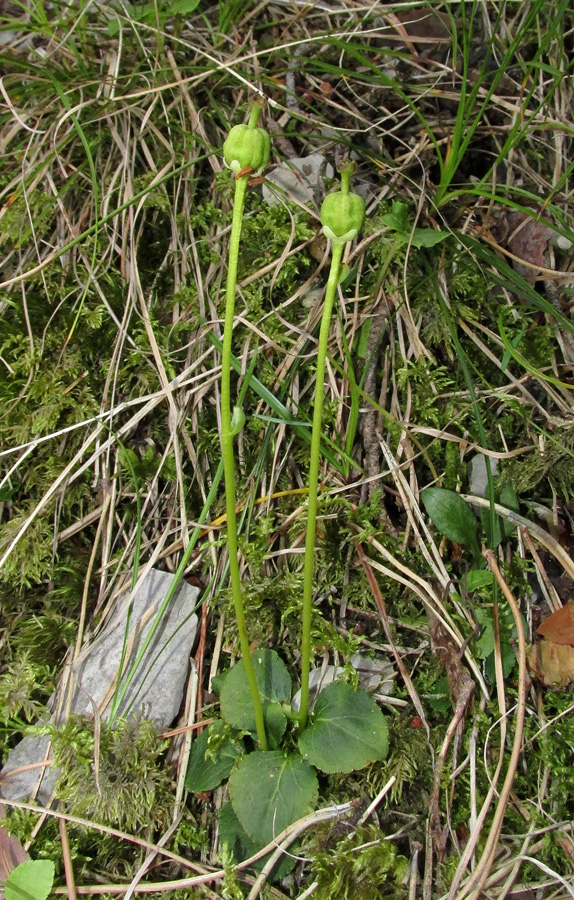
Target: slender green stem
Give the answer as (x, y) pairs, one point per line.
(345, 178)
(228, 456)
(336, 256)
(254, 115)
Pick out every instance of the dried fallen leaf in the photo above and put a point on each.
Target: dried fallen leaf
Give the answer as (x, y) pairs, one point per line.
(559, 627)
(552, 663)
(422, 26)
(551, 660)
(528, 240)
(566, 844)
(12, 852)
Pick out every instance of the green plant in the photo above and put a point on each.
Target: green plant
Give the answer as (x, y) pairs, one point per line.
(356, 865)
(454, 518)
(128, 777)
(276, 784)
(342, 215)
(24, 681)
(246, 150)
(153, 14)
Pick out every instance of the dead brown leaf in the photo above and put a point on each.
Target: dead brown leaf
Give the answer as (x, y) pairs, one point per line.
(422, 26)
(528, 239)
(566, 844)
(12, 852)
(552, 663)
(425, 33)
(559, 627)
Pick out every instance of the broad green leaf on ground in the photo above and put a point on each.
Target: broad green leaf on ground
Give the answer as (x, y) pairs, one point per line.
(270, 790)
(486, 642)
(398, 220)
(503, 528)
(274, 686)
(31, 880)
(451, 515)
(212, 758)
(149, 12)
(427, 237)
(183, 7)
(440, 699)
(348, 731)
(232, 833)
(478, 578)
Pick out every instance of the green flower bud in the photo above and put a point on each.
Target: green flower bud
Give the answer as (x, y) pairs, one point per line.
(342, 214)
(245, 147)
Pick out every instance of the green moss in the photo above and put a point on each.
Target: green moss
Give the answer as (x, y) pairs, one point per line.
(132, 788)
(354, 867)
(410, 762)
(24, 688)
(548, 468)
(466, 287)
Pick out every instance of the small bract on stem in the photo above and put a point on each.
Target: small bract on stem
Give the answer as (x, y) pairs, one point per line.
(342, 214)
(246, 150)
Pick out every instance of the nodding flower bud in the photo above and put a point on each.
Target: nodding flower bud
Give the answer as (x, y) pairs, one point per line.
(342, 213)
(247, 146)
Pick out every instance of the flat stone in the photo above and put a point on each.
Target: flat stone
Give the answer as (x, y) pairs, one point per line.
(299, 178)
(373, 674)
(477, 480)
(378, 673)
(156, 691)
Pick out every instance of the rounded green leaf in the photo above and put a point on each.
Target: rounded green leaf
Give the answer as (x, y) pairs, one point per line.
(241, 846)
(270, 790)
(427, 237)
(478, 578)
(398, 218)
(234, 835)
(31, 880)
(451, 515)
(274, 686)
(212, 758)
(348, 731)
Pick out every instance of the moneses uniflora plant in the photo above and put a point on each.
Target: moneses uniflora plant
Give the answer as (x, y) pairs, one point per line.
(271, 787)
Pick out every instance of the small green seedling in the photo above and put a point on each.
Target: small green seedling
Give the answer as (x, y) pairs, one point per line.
(452, 516)
(398, 221)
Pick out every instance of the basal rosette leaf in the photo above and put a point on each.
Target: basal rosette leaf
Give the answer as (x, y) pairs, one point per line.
(274, 684)
(348, 731)
(209, 766)
(270, 790)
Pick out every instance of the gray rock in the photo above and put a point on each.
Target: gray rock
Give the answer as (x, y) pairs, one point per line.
(299, 178)
(318, 681)
(373, 674)
(478, 482)
(155, 693)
